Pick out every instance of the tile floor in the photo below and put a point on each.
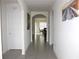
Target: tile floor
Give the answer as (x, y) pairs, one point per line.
(37, 50)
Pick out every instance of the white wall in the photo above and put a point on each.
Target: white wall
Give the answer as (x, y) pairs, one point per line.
(27, 33)
(51, 26)
(37, 28)
(26, 39)
(0, 32)
(4, 29)
(66, 34)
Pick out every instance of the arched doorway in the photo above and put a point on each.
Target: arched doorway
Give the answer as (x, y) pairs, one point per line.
(39, 22)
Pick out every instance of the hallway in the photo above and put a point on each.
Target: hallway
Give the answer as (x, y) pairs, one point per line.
(40, 50)
(36, 50)
(17, 30)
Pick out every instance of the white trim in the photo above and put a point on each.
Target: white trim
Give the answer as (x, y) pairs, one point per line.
(31, 28)
(23, 52)
(47, 30)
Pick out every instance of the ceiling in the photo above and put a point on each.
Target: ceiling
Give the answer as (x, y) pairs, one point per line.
(35, 5)
(39, 5)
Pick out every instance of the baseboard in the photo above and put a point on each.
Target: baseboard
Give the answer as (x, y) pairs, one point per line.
(3, 53)
(23, 52)
(55, 52)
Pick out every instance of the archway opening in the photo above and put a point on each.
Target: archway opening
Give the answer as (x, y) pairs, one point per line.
(39, 28)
